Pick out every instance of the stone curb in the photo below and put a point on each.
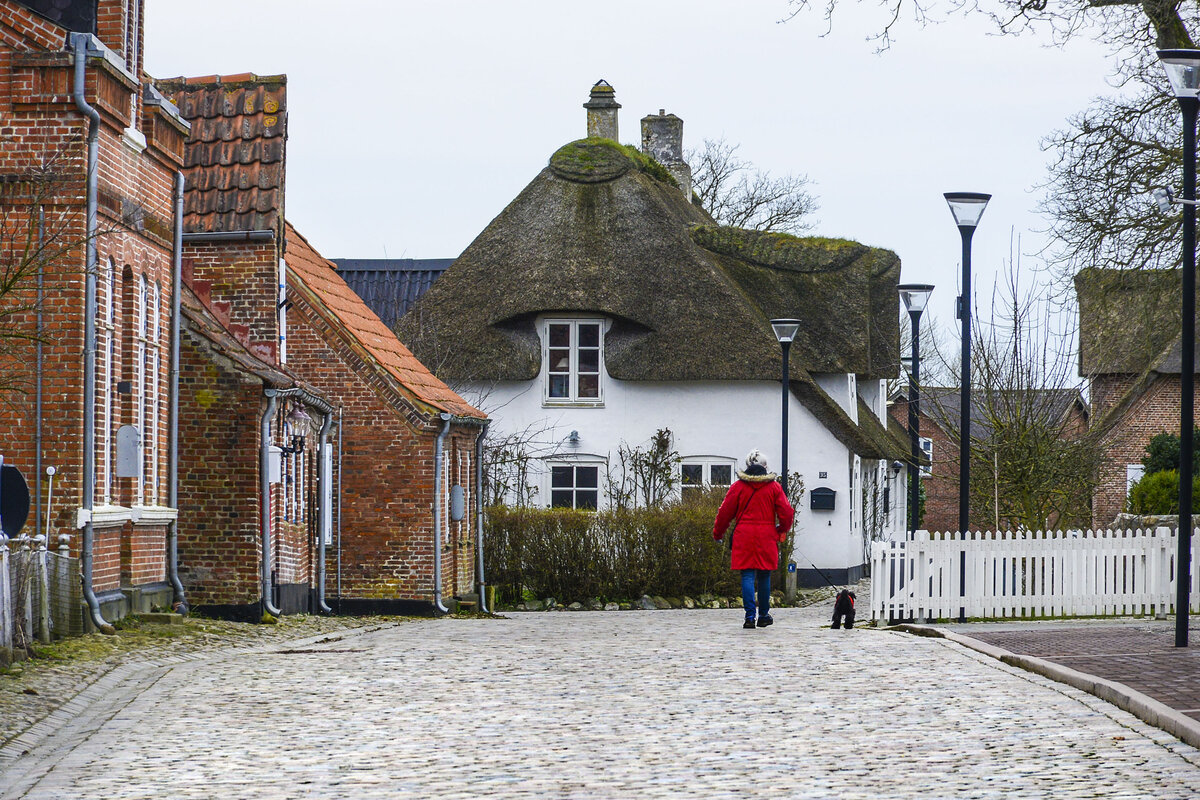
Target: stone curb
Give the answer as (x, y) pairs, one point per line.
(1145, 708)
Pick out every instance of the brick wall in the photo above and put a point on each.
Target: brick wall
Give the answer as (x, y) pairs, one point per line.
(41, 128)
(1155, 411)
(387, 451)
(242, 280)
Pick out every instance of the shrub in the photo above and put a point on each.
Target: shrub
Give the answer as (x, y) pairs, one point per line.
(613, 554)
(1162, 454)
(1158, 493)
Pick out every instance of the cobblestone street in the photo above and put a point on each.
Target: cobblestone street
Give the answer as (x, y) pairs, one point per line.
(595, 705)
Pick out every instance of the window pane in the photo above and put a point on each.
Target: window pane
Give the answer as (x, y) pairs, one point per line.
(589, 361)
(560, 385)
(589, 385)
(562, 477)
(560, 335)
(561, 498)
(722, 475)
(560, 361)
(589, 335)
(586, 500)
(693, 474)
(587, 476)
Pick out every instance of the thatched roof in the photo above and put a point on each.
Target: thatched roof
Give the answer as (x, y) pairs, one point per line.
(604, 229)
(1129, 321)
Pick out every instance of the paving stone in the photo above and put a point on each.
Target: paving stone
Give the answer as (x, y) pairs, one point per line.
(675, 704)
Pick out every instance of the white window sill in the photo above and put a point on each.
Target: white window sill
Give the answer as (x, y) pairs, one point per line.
(154, 515)
(103, 516)
(572, 404)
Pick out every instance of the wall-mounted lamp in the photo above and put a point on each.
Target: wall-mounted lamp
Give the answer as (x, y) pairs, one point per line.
(573, 438)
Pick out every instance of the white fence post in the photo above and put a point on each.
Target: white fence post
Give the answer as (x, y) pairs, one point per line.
(6, 603)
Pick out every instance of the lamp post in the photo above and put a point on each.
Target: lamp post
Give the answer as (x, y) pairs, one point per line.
(915, 297)
(1183, 71)
(967, 208)
(785, 332)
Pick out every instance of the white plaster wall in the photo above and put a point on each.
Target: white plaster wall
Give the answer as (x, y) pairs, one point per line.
(842, 387)
(722, 419)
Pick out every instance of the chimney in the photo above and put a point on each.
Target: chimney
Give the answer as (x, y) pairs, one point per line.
(662, 140)
(602, 112)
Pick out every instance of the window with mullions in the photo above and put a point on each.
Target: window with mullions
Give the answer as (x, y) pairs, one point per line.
(574, 486)
(573, 361)
(695, 476)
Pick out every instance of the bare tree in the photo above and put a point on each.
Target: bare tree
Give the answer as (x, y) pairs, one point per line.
(736, 193)
(1034, 460)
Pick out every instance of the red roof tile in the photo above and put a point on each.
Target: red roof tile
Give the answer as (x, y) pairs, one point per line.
(375, 341)
(233, 161)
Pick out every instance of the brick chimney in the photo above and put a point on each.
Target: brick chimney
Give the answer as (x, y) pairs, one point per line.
(602, 111)
(662, 140)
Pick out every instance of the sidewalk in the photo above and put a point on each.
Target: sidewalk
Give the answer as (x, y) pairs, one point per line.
(1133, 663)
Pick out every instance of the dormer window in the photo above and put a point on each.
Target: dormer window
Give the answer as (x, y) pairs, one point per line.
(572, 354)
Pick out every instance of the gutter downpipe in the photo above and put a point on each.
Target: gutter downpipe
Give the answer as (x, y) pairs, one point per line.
(437, 514)
(41, 294)
(479, 517)
(79, 42)
(264, 485)
(180, 598)
(326, 510)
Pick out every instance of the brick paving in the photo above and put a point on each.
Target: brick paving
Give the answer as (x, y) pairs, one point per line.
(1140, 654)
(595, 705)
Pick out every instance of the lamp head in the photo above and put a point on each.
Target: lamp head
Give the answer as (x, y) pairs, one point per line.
(967, 207)
(1163, 198)
(915, 296)
(1183, 71)
(785, 329)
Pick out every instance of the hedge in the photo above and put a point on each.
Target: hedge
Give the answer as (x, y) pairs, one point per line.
(616, 554)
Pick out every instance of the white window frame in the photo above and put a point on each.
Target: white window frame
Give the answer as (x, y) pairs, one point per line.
(927, 449)
(575, 487)
(573, 376)
(707, 463)
(107, 345)
(143, 299)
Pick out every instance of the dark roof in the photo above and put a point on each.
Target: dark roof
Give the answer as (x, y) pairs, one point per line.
(942, 406)
(312, 274)
(390, 286)
(1129, 321)
(604, 229)
(237, 121)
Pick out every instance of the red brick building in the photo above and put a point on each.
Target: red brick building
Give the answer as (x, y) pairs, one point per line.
(89, 156)
(286, 374)
(1129, 330)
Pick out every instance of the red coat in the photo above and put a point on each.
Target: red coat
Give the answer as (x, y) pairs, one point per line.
(764, 516)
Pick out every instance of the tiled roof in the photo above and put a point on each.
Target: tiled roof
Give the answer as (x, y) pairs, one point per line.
(234, 158)
(366, 332)
(390, 286)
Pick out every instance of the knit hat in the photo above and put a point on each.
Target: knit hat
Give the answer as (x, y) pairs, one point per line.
(755, 458)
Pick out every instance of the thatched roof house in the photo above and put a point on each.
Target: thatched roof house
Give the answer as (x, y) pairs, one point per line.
(605, 229)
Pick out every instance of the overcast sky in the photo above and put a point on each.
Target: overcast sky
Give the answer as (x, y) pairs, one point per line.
(413, 124)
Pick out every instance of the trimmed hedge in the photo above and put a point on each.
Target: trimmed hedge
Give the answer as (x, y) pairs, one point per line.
(617, 554)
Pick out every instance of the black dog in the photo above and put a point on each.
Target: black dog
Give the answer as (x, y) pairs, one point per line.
(843, 606)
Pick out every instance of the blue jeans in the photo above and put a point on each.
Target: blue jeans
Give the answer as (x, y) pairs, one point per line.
(756, 580)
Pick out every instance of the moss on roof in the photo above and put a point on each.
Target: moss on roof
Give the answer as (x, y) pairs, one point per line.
(780, 250)
(596, 160)
(1129, 320)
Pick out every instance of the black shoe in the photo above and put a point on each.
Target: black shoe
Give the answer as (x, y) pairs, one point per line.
(765, 621)
(748, 624)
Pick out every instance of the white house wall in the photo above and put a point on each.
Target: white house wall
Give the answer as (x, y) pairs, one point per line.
(718, 419)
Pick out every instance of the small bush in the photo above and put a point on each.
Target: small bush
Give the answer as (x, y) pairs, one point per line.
(614, 554)
(1158, 493)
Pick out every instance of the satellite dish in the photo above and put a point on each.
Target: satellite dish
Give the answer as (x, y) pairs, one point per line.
(14, 501)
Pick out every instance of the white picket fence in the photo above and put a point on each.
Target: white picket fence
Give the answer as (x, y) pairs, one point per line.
(1027, 574)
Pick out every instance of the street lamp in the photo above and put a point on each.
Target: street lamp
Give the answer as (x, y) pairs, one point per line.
(785, 332)
(967, 208)
(915, 297)
(1183, 71)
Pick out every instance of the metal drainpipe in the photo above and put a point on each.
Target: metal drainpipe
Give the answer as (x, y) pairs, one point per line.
(79, 42)
(41, 293)
(180, 598)
(339, 516)
(264, 469)
(479, 517)
(437, 514)
(326, 500)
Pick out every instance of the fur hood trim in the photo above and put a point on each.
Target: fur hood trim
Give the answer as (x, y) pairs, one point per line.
(770, 476)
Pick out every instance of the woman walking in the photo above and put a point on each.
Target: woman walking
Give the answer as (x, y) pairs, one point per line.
(762, 516)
